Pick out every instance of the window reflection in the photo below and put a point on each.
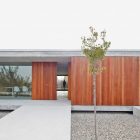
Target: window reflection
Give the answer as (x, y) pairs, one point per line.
(15, 81)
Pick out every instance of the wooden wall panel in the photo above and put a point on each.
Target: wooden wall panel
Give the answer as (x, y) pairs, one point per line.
(118, 84)
(44, 78)
(81, 82)
(69, 81)
(131, 80)
(109, 82)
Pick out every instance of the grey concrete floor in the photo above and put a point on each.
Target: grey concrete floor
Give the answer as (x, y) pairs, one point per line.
(3, 113)
(36, 120)
(111, 126)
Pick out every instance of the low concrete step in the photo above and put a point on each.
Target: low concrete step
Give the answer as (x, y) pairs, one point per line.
(136, 111)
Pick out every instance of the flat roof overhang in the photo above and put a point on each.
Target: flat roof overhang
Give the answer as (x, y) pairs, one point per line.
(61, 56)
(29, 56)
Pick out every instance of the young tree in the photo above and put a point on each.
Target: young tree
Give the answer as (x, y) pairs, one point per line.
(94, 48)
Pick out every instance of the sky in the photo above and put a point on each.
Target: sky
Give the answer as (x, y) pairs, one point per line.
(60, 24)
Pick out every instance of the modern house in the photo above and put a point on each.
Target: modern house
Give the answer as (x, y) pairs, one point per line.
(117, 85)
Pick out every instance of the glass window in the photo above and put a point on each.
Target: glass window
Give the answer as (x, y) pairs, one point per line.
(15, 82)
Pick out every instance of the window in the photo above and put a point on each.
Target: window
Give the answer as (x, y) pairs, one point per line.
(15, 81)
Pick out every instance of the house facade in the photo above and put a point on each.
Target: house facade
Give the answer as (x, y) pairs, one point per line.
(117, 85)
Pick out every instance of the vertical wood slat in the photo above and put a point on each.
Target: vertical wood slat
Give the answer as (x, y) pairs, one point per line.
(69, 81)
(131, 80)
(121, 86)
(110, 82)
(44, 78)
(118, 84)
(139, 81)
(81, 82)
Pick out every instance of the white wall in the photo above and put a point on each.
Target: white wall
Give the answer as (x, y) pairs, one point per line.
(59, 24)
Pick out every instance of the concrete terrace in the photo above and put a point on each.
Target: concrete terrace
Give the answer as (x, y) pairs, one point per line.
(37, 120)
(44, 119)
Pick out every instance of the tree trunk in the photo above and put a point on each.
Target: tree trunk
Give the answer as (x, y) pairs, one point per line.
(94, 99)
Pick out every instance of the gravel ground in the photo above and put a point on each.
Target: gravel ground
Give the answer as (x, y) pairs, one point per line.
(3, 113)
(111, 126)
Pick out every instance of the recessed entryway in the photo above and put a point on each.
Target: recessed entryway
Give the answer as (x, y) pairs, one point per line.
(62, 87)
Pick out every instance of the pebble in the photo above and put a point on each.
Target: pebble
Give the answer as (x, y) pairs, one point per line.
(110, 126)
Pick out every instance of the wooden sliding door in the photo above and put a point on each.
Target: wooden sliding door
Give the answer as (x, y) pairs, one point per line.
(44, 80)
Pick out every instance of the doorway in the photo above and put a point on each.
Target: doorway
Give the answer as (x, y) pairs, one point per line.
(62, 87)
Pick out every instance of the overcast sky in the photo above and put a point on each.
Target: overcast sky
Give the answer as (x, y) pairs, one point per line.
(59, 24)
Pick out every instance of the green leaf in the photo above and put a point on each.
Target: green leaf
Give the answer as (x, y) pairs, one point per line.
(94, 51)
